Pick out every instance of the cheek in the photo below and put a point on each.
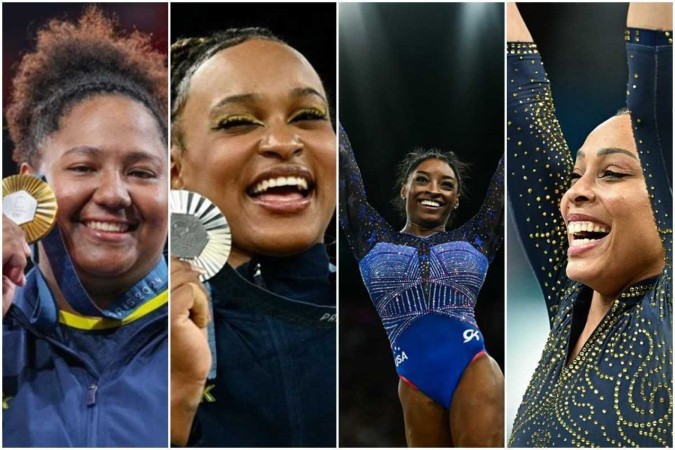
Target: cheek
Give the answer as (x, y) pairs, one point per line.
(153, 205)
(71, 198)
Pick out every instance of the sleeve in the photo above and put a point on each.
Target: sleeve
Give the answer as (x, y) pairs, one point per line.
(487, 226)
(649, 97)
(650, 101)
(539, 164)
(362, 225)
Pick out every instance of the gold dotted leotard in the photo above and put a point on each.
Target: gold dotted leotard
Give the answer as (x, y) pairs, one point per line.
(617, 391)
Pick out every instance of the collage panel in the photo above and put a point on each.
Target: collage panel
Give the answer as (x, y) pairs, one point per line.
(590, 192)
(85, 176)
(253, 91)
(172, 280)
(421, 209)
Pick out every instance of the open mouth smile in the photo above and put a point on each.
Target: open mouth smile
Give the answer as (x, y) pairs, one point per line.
(283, 190)
(280, 185)
(430, 203)
(586, 233)
(109, 227)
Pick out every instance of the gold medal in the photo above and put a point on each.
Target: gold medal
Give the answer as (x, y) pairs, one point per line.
(30, 203)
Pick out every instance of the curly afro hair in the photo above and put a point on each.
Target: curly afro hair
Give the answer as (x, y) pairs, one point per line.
(76, 61)
(188, 54)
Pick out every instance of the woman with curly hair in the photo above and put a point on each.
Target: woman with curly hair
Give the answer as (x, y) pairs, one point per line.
(85, 330)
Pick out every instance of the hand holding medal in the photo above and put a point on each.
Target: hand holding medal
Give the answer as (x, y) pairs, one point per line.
(30, 203)
(29, 213)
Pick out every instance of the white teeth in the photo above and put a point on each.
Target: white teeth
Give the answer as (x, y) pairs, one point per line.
(577, 227)
(579, 242)
(430, 203)
(264, 185)
(111, 227)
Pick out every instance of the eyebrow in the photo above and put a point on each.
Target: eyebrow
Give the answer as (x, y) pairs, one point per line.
(130, 158)
(236, 99)
(253, 97)
(303, 92)
(609, 151)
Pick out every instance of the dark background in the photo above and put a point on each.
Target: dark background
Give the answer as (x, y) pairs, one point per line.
(427, 75)
(307, 27)
(584, 54)
(21, 21)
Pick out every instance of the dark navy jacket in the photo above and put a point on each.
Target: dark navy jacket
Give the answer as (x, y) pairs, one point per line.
(274, 321)
(65, 385)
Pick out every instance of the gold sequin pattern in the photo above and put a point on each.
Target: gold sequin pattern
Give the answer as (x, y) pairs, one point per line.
(617, 391)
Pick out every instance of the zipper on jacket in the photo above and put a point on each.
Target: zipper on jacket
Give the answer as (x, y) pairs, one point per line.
(90, 397)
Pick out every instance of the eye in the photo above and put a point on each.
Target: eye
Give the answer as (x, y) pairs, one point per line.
(574, 176)
(448, 186)
(613, 175)
(308, 114)
(420, 179)
(81, 168)
(145, 174)
(237, 122)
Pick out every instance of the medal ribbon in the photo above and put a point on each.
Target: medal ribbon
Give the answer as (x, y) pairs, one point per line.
(66, 278)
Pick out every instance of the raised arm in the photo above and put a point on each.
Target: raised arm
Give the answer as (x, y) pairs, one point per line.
(363, 226)
(487, 226)
(539, 161)
(649, 47)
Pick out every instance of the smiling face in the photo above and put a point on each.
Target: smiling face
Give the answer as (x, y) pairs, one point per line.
(259, 143)
(430, 194)
(611, 229)
(107, 165)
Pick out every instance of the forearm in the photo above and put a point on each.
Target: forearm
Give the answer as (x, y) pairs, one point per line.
(516, 30)
(650, 16)
(539, 164)
(185, 399)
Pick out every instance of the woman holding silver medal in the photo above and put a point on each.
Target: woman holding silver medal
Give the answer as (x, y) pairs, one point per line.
(252, 132)
(85, 330)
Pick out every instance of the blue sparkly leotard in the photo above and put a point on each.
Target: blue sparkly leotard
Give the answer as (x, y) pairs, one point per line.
(617, 392)
(424, 289)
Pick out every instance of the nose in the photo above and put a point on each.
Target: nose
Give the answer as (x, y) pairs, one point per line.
(112, 192)
(581, 191)
(281, 141)
(433, 187)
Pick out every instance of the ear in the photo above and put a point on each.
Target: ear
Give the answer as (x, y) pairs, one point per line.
(456, 203)
(176, 167)
(26, 169)
(404, 191)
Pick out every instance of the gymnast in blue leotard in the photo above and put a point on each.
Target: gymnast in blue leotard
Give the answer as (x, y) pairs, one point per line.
(424, 282)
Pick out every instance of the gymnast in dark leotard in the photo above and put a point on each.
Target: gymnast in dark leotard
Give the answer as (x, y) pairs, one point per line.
(424, 282)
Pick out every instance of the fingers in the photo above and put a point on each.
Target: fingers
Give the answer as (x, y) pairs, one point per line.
(188, 295)
(15, 252)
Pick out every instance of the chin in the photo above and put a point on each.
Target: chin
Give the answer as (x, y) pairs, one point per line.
(580, 272)
(282, 243)
(102, 267)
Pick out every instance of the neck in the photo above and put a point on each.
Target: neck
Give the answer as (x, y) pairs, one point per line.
(600, 304)
(102, 291)
(237, 257)
(422, 230)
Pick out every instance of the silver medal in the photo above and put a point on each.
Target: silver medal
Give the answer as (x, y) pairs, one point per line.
(200, 233)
